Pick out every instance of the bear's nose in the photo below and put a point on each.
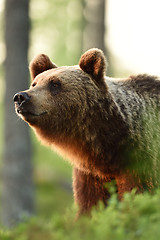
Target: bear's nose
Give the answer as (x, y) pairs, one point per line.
(21, 97)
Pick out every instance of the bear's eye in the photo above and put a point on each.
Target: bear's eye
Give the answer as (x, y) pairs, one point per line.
(34, 84)
(54, 87)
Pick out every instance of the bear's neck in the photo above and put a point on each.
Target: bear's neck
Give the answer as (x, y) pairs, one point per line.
(93, 143)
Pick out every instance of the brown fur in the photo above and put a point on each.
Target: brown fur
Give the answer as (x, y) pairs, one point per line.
(40, 64)
(94, 63)
(96, 122)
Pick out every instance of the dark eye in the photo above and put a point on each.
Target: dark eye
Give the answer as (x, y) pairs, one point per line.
(54, 87)
(34, 84)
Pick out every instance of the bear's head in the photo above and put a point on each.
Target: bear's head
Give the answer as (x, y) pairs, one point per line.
(61, 98)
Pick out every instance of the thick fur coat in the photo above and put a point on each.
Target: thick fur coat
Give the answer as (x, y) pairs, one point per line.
(107, 128)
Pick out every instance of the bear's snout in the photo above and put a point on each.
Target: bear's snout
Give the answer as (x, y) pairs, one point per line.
(25, 108)
(20, 98)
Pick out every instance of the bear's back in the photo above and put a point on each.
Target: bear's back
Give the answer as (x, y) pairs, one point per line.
(136, 96)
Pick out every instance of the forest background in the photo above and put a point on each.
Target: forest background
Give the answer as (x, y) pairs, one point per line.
(129, 35)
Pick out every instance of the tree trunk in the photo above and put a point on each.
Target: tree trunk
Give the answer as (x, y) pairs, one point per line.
(94, 12)
(17, 193)
(95, 28)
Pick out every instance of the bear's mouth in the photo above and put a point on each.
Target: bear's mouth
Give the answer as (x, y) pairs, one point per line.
(25, 113)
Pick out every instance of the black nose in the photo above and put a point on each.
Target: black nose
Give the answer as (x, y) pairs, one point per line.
(21, 97)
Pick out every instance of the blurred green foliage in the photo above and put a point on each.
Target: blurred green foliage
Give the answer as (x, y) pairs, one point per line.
(56, 29)
(135, 218)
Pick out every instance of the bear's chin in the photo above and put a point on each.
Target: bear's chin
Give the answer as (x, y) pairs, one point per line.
(31, 118)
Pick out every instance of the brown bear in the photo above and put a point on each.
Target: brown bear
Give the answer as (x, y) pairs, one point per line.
(107, 128)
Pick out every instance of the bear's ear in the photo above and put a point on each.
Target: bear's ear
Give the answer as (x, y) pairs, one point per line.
(40, 64)
(94, 63)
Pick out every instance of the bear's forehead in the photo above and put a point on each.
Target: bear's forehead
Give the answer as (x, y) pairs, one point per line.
(58, 72)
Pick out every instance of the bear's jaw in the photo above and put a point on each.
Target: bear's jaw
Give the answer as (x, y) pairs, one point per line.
(24, 114)
(28, 116)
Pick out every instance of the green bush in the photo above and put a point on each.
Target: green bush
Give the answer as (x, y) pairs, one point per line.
(136, 217)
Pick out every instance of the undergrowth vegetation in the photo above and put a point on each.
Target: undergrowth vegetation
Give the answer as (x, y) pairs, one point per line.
(136, 217)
